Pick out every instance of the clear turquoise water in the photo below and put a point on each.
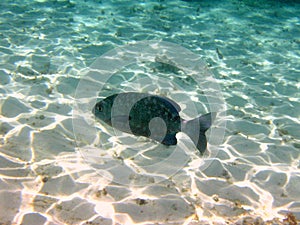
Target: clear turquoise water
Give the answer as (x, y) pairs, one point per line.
(253, 51)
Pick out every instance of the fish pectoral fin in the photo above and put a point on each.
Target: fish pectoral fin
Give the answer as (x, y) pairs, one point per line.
(169, 139)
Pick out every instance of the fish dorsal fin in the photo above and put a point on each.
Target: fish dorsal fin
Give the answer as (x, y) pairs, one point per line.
(177, 107)
(162, 98)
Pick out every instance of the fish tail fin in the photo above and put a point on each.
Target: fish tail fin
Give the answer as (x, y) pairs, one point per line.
(191, 128)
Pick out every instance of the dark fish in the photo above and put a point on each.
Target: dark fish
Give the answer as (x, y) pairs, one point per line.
(152, 116)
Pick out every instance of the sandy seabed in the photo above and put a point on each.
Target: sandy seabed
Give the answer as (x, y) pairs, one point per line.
(47, 176)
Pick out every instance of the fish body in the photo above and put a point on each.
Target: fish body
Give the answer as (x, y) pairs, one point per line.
(151, 116)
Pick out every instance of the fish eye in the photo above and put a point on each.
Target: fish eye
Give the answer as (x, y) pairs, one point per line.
(99, 107)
